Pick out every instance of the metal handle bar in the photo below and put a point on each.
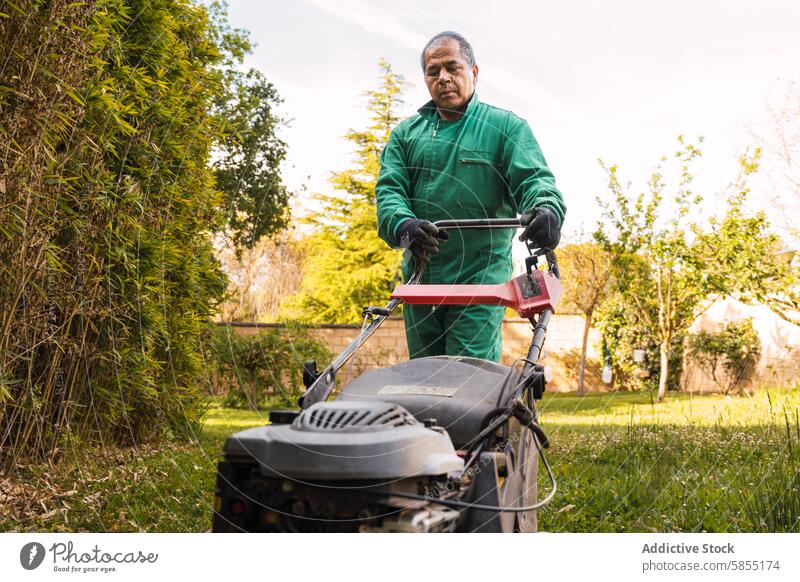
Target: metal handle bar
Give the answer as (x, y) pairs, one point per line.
(463, 224)
(474, 223)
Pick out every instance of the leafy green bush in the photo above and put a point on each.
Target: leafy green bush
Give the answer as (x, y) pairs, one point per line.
(623, 331)
(735, 349)
(263, 370)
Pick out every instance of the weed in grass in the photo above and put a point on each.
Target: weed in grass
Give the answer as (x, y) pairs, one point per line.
(774, 505)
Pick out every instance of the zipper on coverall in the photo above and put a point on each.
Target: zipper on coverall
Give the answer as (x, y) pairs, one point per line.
(435, 129)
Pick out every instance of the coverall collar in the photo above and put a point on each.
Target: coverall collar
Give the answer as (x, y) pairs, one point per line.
(428, 111)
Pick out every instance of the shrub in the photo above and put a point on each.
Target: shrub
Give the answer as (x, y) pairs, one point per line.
(265, 369)
(735, 348)
(108, 277)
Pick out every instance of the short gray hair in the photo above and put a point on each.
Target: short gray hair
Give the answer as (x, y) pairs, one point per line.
(463, 45)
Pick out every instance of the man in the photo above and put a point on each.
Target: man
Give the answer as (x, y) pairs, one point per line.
(460, 158)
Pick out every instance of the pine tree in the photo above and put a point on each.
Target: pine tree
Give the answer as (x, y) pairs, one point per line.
(347, 265)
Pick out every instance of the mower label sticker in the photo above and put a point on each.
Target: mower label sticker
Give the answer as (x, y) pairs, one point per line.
(420, 390)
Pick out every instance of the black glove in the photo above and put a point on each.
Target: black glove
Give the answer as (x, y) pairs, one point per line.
(421, 237)
(542, 227)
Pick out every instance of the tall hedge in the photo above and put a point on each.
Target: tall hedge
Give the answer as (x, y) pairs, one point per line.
(107, 275)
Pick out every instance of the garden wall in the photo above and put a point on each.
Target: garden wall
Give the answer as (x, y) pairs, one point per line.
(779, 365)
(388, 345)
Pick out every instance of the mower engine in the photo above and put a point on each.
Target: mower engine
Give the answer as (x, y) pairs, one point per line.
(334, 467)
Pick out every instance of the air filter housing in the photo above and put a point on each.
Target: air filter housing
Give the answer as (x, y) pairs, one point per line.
(349, 418)
(345, 440)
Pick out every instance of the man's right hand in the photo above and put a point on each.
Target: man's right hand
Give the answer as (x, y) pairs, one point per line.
(421, 237)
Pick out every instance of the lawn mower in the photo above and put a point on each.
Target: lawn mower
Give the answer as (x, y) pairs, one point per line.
(434, 444)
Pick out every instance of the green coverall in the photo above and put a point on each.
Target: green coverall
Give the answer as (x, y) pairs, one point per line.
(487, 164)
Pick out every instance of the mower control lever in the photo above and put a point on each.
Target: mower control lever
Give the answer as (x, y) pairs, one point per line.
(371, 311)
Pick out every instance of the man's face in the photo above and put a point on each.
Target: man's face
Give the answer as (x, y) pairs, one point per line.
(450, 80)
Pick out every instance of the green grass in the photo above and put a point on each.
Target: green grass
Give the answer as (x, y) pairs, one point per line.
(692, 463)
(615, 409)
(623, 463)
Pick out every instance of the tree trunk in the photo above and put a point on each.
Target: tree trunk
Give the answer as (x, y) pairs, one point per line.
(582, 365)
(664, 372)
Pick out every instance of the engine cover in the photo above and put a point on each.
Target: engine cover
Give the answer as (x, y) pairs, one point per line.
(458, 392)
(347, 440)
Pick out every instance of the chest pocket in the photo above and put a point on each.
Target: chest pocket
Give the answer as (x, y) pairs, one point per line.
(479, 182)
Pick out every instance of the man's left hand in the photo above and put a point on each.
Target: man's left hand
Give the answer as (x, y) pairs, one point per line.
(543, 228)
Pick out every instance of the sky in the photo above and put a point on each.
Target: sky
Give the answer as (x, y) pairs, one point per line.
(616, 80)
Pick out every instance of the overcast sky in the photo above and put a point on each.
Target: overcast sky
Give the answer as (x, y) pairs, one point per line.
(617, 79)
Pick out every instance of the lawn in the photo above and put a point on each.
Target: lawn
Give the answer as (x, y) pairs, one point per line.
(623, 463)
(692, 463)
